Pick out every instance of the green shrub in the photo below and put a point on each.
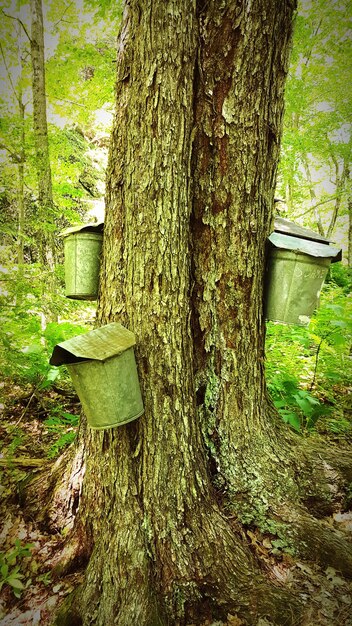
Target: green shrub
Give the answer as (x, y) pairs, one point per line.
(25, 347)
(340, 276)
(11, 567)
(64, 425)
(309, 369)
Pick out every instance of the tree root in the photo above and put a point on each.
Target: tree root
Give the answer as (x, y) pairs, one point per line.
(323, 476)
(204, 570)
(316, 481)
(341, 459)
(213, 574)
(52, 497)
(315, 540)
(234, 580)
(117, 585)
(75, 553)
(68, 614)
(322, 488)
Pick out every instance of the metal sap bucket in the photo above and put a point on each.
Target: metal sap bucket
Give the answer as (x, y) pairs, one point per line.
(82, 247)
(297, 266)
(102, 366)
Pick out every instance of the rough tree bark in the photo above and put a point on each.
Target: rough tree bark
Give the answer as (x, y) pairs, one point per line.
(191, 178)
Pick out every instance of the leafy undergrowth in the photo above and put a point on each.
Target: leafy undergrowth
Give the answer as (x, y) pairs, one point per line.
(36, 424)
(30, 596)
(309, 368)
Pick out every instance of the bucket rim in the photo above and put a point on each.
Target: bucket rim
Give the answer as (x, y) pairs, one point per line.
(116, 424)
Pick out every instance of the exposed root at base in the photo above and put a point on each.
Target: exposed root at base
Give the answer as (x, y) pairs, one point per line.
(215, 574)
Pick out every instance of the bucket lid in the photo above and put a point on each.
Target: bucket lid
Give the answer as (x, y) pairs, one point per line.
(286, 227)
(93, 227)
(305, 246)
(99, 345)
(290, 236)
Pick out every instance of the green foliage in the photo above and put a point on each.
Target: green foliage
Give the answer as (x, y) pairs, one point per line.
(19, 437)
(107, 8)
(25, 346)
(340, 276)
(316, 143)
(65, 426)
(309, 368)
(79, 70)
(44, 578)
(297, 407)
(11, 566)
(79, 80)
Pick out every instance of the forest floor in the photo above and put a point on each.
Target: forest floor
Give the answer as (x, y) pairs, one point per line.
(30, 595)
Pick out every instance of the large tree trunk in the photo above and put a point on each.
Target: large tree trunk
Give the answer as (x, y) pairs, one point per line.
(189, 206)
(238, 116)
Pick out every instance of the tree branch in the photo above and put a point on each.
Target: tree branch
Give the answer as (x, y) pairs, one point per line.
(16, 157)
(77, 104)
(13, 17)
(308, 57)
(62, 16)
(317, 356)
(315, 206)
(8, 72)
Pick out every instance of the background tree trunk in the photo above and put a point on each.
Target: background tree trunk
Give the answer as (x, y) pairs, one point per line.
(313, 197)
(40, 125)
(18, 156)
(349, 205)
(340, 182)
(20, 201)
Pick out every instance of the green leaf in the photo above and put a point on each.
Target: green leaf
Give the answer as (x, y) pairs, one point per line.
(280, 404)
(339, 323)
(73, 419)
(15, 583)
(32, 349)
(4, 570)
(11, 558)
(52, 374)
(292, 419)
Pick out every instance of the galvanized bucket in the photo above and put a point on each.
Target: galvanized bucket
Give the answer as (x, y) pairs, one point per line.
(102, 366)
(296, 270)
(82, 265)
(295, 285)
